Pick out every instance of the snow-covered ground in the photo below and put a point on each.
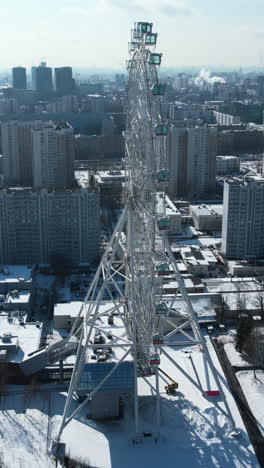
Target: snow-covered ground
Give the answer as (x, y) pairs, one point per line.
(235, 358)
(24, 430)
(254, 392)
(195, 430)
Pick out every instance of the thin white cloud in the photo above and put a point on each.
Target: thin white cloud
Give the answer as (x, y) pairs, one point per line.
(250, 30)
(175, 10)
(76, 10)
(130, 5)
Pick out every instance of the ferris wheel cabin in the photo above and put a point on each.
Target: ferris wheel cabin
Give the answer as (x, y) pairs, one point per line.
(161, 308)
(151, 39)
(144, 28)
(130, 64)
(136, 35)
(163, 176)
(159, 89)
(155, 59)
(163, 224)
(163, 269)
(132, 46)
(161, 130)
(154, 359)
(158, 339)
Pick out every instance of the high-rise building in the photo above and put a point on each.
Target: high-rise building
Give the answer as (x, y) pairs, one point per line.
(192, 162)
(201, 162)
(17, 151)
(260, 86)
(243, 218)
(108, 126)
(53, 156)
(63, 80)
(177, 154)
(36, 225)
(19, 78)
(42, 78)
(69, 103)
(8, 106)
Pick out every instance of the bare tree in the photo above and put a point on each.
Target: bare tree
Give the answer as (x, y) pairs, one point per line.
(254, 347)
(259, 303)
(241, 301)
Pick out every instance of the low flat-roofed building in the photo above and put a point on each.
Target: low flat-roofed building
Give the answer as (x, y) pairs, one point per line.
(15, 277)
(207, 217)
(192, 285)
(238, 295)
(227, 165)
(244, 268)
(198, 261)
(110, 177)
(65, 314)
(204, 305)
(17, 299)
(18, 337)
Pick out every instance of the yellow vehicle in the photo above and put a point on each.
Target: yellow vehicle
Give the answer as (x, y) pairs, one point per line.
(172, 387)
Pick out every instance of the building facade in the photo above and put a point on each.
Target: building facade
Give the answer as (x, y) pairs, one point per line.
(19, 153)
(243, 218)
(19, 78)
(37, 225)
(227, 165)
(63, 80)
(192, 162)
(41, 77)
(53, 156)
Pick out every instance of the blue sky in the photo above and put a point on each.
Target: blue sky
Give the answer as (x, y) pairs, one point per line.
(94, 33)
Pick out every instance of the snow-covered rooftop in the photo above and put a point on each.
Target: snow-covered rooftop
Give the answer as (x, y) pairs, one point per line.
(14, 297)
(207, 210)
(28, 335)
(14, 273)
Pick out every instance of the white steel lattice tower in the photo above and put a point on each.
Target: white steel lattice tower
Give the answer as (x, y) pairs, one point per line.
(132, 281)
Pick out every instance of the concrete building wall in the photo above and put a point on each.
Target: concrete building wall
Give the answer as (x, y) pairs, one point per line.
(34, 225)
(19, 78)
(177, 157)
(207, 217)
(192, 156)
(53, 156)
(243, 218)
(227, 164)
(17, 151)
(201, 156)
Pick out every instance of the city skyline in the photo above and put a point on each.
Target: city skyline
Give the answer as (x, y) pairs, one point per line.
(94, 35)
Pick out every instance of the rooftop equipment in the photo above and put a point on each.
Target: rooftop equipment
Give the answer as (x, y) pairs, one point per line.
(6, 337)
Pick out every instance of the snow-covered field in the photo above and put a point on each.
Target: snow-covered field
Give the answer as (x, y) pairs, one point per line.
(195, 430)
(254, 392)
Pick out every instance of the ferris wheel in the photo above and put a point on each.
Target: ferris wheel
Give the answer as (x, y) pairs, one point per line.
(146, 171)
(138, 255)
